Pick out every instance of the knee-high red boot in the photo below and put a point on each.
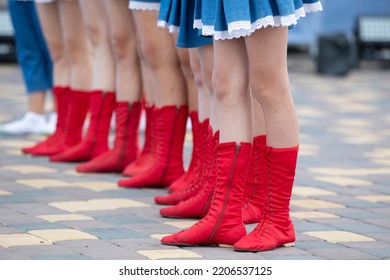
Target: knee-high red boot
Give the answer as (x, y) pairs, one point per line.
(96, 141)
(193, 168)
(198, 205)
(145, 160)
(254, 193)
(167, 160)
(125, 148)
(196, 180)
(275, 228)
(223, 223)
(50, 145)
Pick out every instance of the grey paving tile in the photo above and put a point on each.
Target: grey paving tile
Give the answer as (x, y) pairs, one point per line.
(116, 233)
(341, 254)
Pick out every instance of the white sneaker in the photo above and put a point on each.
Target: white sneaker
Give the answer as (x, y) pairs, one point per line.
(30, 123)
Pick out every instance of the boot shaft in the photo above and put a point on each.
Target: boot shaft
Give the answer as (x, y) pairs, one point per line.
(226, 206)
(127, 124)
(78, 109)
(279, 180)
(102, 105)
(62, 98)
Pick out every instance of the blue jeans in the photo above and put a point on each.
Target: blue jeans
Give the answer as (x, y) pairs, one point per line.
(32, 52)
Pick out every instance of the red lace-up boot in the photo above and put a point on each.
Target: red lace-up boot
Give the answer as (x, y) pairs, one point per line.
(52, 143)
(125, 148)
(275, 228)
(223, 223)
(96, 142)
(194, 185)
(254, 193)
(144, 161)
(198, 205)
(193, 169)
(167, 160)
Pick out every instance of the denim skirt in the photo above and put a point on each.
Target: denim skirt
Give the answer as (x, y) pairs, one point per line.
(228, 19)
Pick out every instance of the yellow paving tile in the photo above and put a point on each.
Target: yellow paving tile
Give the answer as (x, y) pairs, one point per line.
(16, 143)
(304, 111)
(64, 217)
(97, 186)
(97, 204)
(381, 161)
(315, 204)
(363, 139)
(308, 149)
(73, 173)
(355, 107)
(344, 181)
(21, 239)
(379, 153)
(158, 236)
(355, 122)
(311, 191)
(349, 131)
(183, 224)
(54, 235)
(168, 254)
(339, 236)
(29, 169)
(375, 198)
(13, 152)
(311, 215)
(43, 183)
(3, 192)
(336, 171)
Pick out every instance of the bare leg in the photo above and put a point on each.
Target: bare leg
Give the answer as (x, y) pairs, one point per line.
(36, 101)
(160, 56)
(206, 60)
(50, 22)
(124, 42)
(97, 26)
(233, 97)
(76, 44)
(267, 52)
(203, 95)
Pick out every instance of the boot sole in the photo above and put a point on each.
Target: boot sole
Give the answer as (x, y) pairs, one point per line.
(290, 244)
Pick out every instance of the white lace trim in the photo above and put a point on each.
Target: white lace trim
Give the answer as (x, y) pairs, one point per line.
(144, 6)
(171, 28)
(245, 28)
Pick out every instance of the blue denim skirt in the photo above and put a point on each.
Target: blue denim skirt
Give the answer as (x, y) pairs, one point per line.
(178, 16)
(227, 19)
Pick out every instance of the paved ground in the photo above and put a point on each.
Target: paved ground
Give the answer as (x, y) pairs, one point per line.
(340, 205)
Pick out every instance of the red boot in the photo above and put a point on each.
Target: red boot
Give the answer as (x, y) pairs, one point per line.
(145, 160)
(125, 148)
(223, 223)
(50, 145)
(196, 179)
(96, 141)
(167, 160)
(276, 228)
(255, 191)
(198, 205)
(193, 169)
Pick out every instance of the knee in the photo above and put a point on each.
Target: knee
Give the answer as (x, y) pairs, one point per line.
(123, 45)
(151, 53)
(269, 90)
(96, 33)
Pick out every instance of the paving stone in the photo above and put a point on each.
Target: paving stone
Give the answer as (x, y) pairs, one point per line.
(341, 254)
(116, 233)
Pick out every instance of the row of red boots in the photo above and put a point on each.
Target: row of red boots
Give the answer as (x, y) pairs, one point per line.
(226, 185)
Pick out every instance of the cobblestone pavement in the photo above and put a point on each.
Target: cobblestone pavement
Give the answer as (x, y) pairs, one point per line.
(340, 205)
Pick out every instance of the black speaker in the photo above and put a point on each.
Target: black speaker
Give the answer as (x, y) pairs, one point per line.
(334, 55)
